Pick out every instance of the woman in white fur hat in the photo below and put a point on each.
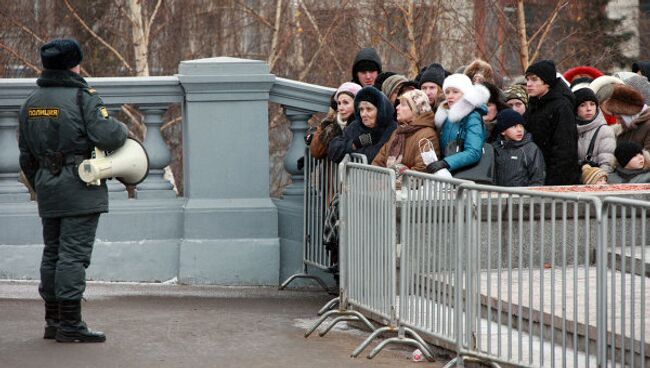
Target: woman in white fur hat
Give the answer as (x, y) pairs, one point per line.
(461, 117)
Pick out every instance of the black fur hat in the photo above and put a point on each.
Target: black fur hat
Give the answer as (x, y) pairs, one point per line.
(61, 54)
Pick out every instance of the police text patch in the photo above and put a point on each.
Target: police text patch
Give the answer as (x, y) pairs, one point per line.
(43, 112)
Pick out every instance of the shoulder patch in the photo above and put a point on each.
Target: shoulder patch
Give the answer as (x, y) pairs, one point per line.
(104, 112)
(43, 112)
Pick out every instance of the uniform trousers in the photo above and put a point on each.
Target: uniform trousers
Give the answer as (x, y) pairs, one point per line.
(68, 247)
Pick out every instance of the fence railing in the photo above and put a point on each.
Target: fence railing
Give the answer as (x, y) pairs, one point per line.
(322, 184)
(508, 276)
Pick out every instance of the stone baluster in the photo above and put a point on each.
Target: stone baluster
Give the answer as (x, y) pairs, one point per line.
(11, 190)
(155, 185)
(298, 124)
(116, 190)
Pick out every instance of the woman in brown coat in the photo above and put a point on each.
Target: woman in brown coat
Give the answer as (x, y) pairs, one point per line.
(333, 125)
(415, 135)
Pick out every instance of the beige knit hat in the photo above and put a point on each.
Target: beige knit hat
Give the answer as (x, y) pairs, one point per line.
(417, 101)
(591, 175)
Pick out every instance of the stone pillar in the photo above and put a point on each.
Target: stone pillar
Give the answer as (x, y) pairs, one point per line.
(11, 190)
(231, 225)
(155, 186)
(298, 119)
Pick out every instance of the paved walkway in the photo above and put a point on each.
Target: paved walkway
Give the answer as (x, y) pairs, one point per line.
(184, 326)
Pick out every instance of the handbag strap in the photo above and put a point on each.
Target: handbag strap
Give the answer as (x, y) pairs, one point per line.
(590, 150)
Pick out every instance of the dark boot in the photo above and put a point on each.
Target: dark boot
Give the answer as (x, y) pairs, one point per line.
(51, 319)
(72, 328)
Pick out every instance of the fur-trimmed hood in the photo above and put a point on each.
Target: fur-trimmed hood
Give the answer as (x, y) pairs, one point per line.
(475, 99)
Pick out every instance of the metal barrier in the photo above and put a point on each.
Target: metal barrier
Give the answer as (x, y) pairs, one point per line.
(428, 276)
(322, 182)
(527, 258)
(626, 232)
(504, 276)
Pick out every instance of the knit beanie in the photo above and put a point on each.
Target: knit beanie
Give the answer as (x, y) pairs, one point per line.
(349, 88)
(392, 83)
(624, 100)
(61, 54)
(582, 95)
(625, 151)
(582, 82)
(643, 67)
(591, 175)
(417, 101)
(545, 70)
(435, 73)
(507, 118)
(381, 78)
(517, 92)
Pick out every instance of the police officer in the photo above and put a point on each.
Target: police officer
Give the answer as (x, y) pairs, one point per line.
(60, 124)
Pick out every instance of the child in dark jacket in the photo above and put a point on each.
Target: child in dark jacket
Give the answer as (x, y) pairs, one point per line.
(519, 162)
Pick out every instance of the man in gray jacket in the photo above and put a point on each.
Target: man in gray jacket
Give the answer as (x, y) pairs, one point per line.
(60, 124)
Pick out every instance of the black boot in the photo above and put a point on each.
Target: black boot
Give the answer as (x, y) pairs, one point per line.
(72, 328)
(51, 319)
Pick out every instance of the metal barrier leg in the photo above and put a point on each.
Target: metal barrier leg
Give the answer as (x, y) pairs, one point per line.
(369, 339)
(322, 319)
(416, 341)
(335, 321)
(305, 276)
(330, 305)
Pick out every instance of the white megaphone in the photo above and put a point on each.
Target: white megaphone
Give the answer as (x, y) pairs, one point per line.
(128, 164)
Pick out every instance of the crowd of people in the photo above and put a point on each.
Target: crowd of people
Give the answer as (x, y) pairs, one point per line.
(544, 128)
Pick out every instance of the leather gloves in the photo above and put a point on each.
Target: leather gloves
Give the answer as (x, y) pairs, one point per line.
(438, 165)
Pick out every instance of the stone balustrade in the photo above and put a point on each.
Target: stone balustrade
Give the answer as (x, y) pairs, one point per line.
(226, 229)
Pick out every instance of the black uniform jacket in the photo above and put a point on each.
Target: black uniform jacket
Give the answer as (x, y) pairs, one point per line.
(51, 121)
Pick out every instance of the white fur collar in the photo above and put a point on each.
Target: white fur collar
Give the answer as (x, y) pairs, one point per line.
(478, 95)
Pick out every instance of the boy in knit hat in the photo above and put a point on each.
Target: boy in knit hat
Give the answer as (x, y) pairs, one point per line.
(632, 164)
(519, 162)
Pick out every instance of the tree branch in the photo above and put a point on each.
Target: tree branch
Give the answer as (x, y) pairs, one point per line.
(96, 36)
(152, 18)
(17, 56)
(252, 12)
(561, 4)
(321, 39)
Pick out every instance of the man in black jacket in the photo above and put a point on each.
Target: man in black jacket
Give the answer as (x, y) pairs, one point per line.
(551, 122)
(60, 124)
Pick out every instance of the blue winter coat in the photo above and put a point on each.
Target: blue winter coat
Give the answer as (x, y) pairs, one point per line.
(342, 145)
(473, 136)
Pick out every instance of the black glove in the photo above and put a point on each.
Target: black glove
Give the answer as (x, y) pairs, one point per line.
(365, 139)
(438, 165)
(300, 163)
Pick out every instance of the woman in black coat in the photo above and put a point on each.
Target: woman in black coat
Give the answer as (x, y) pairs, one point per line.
(371, 128)
(551, 122)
